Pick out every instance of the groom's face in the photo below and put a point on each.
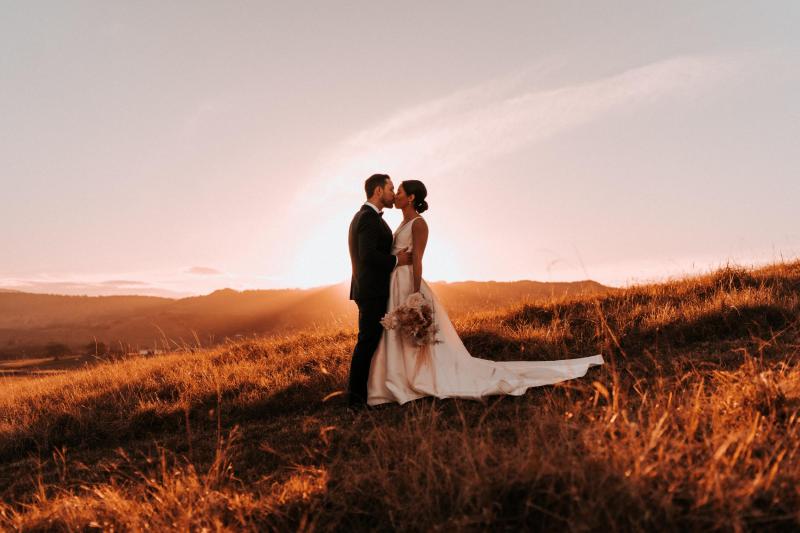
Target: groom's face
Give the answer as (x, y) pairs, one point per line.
(388, 194)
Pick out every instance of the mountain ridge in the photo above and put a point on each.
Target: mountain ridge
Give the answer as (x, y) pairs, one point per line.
(30, 320)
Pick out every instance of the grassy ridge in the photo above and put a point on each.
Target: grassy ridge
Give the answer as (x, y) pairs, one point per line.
(692, 423)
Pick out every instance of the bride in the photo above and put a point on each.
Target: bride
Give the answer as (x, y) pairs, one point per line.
(401, 371)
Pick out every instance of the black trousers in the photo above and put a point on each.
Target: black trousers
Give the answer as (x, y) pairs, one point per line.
(370, 313)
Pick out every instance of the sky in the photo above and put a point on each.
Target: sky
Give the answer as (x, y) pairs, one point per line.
(175, 148)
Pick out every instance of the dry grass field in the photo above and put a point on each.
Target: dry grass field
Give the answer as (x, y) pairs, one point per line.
(693, 424)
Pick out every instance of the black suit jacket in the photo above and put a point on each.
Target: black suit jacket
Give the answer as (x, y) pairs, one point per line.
(370, 241)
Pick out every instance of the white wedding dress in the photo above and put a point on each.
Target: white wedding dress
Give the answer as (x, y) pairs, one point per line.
(400, 371)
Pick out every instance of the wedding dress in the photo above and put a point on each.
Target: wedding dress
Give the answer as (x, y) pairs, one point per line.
(401, 371)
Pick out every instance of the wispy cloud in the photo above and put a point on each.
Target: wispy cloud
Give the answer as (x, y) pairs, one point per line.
(498, 117)
(123, 283)
(89, 288)
(203, 271)
(167, 283)
(99, 284)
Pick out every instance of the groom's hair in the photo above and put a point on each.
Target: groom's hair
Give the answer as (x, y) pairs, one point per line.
(376, 180)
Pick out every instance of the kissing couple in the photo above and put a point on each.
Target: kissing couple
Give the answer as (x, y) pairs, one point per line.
(388, 365)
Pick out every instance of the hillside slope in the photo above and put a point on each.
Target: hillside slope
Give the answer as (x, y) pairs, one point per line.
(693, 424)
(28, 321)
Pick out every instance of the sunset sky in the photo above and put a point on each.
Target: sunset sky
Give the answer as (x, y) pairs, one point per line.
(180, 147)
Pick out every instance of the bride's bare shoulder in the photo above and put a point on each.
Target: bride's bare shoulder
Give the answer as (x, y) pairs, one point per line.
(419, 226)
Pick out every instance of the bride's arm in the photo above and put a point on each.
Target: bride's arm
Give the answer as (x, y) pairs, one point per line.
(419, 232)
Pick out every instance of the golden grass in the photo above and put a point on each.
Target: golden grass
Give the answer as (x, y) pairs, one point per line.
(691, 424)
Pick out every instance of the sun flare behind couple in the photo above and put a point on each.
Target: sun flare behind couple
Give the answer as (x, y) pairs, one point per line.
(391, 364)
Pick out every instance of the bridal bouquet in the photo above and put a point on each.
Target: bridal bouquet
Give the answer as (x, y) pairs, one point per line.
(414, 320)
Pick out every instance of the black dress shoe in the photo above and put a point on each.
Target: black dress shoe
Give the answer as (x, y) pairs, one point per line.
(355, 399)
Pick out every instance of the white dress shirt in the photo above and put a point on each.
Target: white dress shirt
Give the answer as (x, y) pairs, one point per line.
(373, 206)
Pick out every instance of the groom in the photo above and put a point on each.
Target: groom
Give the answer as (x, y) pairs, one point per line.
(370, 241)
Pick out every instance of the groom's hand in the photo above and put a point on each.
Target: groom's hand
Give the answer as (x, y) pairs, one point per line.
(404, 258)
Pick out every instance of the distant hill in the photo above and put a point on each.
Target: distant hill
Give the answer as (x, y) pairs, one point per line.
(469, 296)
(29, 321)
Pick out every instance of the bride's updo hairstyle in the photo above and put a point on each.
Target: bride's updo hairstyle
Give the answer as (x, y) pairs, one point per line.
(417, 188)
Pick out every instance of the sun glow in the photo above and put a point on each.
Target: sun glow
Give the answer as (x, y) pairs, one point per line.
(322, 257)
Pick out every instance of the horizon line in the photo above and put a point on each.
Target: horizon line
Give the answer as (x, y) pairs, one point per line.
(11, 290)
